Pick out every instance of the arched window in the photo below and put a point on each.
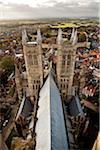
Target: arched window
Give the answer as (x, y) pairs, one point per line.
(63, 63)
(63, 60)
(34, 98)
(68, 59)
(64, 86)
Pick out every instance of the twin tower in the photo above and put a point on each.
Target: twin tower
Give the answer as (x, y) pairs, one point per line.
(66, 53)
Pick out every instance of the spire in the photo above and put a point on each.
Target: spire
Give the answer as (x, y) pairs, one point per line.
(24, 36)
(75, 38)
(59, 38)
(72, 35)
(39, 38)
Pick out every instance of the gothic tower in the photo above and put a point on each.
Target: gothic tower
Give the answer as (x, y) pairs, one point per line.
(33, 62)
(65, 64)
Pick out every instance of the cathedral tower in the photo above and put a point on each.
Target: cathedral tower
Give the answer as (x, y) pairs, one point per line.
(65, 64)
(33, 62)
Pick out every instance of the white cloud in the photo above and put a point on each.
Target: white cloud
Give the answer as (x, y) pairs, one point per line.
(32, 3)
(36, 3)
(10, 9)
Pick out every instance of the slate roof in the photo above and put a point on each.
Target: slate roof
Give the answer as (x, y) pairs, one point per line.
(74, 107)
(26, 108)
(50, 127)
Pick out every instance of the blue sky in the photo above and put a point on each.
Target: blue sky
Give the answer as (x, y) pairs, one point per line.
(32, 9)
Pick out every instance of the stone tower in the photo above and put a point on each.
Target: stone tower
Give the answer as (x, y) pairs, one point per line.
(65, 64)
(33, 62)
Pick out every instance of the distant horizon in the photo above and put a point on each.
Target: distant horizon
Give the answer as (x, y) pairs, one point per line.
(44, 18)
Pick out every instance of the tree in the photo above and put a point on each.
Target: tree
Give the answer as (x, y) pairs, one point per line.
(82, 37)
(7, 67)
(3, 77)
(7, 64)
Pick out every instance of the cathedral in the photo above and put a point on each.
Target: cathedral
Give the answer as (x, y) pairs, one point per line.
(42, 116)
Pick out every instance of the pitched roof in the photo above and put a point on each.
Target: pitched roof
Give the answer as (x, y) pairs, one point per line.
(25, 109)
(50, 128)
(75, 108)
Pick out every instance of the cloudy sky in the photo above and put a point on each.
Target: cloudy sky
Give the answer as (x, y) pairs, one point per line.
(33, 9)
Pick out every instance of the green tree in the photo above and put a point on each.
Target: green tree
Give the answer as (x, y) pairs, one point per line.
(7, 65)
(81, 37)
